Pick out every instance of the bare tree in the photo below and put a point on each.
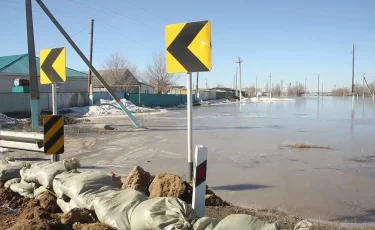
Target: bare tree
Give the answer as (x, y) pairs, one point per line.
(250, 91)
(341, 91)
(156, 74)
(119, 71)
(297, 90)
(220, 86)
(276, 90)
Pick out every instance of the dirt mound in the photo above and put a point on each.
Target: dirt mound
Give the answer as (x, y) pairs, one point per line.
(48, 202)
(78, 215)
(213, 200)
(138, 179)
(116, 179)
(169, 185)
(42, 214)
(93, 226)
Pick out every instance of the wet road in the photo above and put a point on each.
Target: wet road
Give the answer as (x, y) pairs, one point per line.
(249, 163)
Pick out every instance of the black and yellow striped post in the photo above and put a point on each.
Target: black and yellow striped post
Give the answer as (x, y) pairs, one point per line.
(53, 134)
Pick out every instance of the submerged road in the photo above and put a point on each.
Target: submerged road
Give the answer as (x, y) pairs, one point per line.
(250, 163)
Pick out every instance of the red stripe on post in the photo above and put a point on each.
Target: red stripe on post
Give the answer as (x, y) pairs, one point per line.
(201, 173)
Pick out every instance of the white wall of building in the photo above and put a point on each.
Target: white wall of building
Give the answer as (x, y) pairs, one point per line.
(147, 89)
(72, 85)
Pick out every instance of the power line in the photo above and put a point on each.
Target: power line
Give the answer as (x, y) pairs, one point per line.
(115, 30)
(146, 11)
(72, 35)
(113, 14)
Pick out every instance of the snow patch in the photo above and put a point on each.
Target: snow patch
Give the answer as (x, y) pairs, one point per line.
(216, 102)
(266, 99)
(5, 120)
(105, 107)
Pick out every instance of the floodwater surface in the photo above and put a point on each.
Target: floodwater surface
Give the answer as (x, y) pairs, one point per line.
(251, 161)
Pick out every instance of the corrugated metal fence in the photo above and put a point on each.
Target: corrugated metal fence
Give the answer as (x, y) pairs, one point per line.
(20, 102)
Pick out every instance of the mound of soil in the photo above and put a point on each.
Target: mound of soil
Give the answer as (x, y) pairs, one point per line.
(43, 214)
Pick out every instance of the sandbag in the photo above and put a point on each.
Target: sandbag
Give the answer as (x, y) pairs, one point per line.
(243, 221)
(10, 169)
(44, 173)
(12, 181)
(82, 187)
(205, 223)
(303, 225)
(39, 191)
(162, 213)
(23, 188)
(114, 207)
(66, 206)
(61, 178)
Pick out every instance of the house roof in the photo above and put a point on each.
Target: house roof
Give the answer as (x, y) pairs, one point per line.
(111, 80)
(19, 64)
(178, 87)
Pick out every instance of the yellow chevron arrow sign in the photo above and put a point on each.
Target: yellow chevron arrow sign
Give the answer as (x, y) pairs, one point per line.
(52, 65)
(188, 47)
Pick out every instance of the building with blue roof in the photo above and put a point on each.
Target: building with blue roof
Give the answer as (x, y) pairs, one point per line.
(17, 66)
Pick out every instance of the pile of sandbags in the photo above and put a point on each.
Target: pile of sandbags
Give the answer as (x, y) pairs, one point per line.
(10, 169)
(32, 180)
(82, 187)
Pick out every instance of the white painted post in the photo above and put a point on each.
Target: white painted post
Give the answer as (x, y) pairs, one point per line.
(54, 157)
(199, 185)
(189, 126)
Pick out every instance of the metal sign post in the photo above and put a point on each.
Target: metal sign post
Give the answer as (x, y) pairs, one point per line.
(189, 125)
(188, 49)
(52, 71)
(54, 157)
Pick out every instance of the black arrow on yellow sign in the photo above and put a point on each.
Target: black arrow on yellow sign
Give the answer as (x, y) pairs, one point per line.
(47, 65)
(180, 51)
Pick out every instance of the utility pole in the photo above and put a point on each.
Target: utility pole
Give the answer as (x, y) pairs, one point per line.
(270, 86)
(206, 84)
(239, 65)
(322, 90)
(196, 89)
(91, 97)
(353, 58)
(282, 87)
(236, 83)
(318, 85)
(256, 86)
(34, 84)
(363, 87)
(305, 87)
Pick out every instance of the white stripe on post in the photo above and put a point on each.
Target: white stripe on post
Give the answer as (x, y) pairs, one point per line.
(199, 186)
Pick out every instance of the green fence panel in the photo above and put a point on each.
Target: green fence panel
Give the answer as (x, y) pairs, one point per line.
(153, 100)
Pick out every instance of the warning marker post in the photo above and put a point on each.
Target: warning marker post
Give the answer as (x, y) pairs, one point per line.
(199, 185)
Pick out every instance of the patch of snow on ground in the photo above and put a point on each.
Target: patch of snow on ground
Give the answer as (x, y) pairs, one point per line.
(105, 107)
(216, 102)
(5, 120)
(267, 99)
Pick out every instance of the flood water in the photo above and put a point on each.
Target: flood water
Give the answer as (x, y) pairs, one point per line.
(251, 163)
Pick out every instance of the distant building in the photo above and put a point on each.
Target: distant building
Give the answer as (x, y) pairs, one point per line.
(177, 90)
(17, 66)
(125, 82)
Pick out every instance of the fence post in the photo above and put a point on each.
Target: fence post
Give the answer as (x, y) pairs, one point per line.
(199, 185)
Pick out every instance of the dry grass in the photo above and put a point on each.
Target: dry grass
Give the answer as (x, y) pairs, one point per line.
(303, 145)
